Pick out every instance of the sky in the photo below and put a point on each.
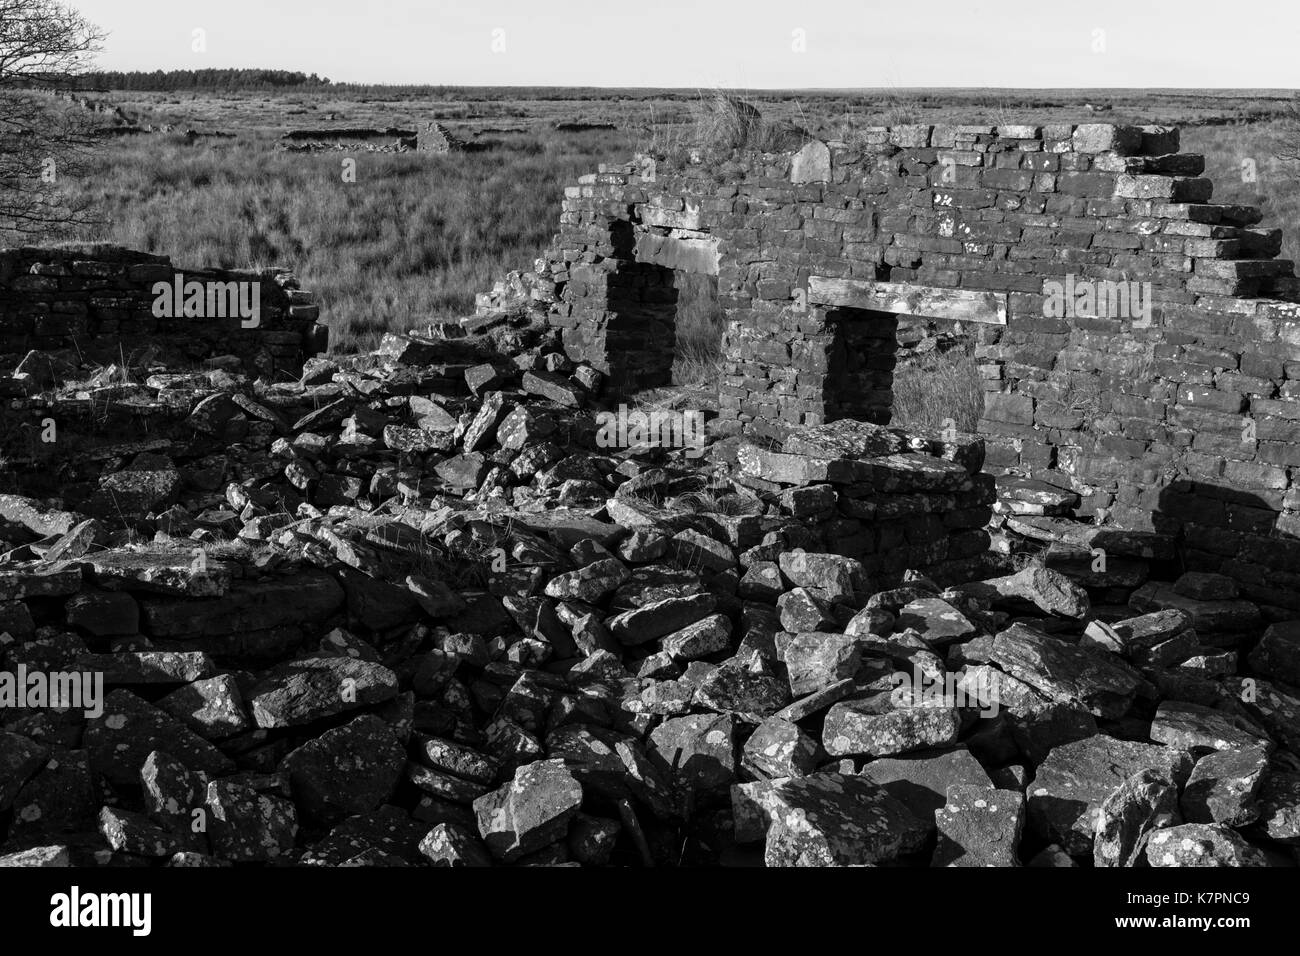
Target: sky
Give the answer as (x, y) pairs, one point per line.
(720, 43)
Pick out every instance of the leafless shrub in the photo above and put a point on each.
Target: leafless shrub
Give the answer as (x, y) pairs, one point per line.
(44, 139)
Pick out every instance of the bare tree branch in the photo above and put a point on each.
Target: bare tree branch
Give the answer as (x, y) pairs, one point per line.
(44, 139)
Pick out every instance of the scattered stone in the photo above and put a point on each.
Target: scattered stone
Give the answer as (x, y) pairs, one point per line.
(1144, 802)
(530, 812)
(1193, 727)
(1199, 844)
(921, 781)
(979, 826)
(1049, 591)
(1077, 777)
(698, 751)
(449, 844)
(1279, 806)
(350, 769)
(307, 690)
(814, 661)
(129, 832)
(1066, 673)
(1277, 655)
(1224, 785)
(851, 728)
(121, 739)
(835, 819)
(779, 748)
(248, 826)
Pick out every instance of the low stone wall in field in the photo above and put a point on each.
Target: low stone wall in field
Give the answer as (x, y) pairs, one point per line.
(103, 302)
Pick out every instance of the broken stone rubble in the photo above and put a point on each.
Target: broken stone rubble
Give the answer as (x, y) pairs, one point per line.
(406, 610)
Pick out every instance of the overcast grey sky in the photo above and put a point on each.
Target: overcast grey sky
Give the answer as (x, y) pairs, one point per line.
(727, 43)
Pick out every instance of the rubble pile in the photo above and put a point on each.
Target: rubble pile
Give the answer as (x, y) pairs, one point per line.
(415, 608)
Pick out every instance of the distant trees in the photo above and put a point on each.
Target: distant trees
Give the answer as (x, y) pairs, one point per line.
(167, 81)
(43, 138)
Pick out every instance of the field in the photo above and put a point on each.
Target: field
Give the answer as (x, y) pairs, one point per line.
(416, 236)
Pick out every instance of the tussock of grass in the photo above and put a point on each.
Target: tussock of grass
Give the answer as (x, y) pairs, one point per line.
(936, 387)
(723, 123)
(727, 122)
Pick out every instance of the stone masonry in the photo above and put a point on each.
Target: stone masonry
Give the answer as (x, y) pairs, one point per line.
(97, 302)
(1184, 419)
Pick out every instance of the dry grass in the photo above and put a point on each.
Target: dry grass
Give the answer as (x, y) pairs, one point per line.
(727, 122)
(936, 387)
(411, 241)
(700, 324)
(723, 123)
(1235, 154)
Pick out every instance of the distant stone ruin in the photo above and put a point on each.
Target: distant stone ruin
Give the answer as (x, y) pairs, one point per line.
(429, 138)
(436, 138)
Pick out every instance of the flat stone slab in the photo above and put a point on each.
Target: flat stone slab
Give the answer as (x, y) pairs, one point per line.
(161, 571)
(852, 729)
(845, 438)
(302, 691)
(530, 812)
(1089, 678)
(921, 781)
(35, 579)
(1050, 591)
(834, 819)
(979, 826)
(937, 621)
(906, 298)
(1185, 726)
(41, 520)
(1206, 616)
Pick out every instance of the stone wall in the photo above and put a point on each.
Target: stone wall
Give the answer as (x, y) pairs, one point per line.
(98, 302)
(1183, 419)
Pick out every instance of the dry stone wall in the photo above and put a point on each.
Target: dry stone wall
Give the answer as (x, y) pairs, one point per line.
(98, 302)
(1170, 403)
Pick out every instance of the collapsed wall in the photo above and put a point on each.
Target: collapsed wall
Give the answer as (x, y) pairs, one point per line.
(102, 303)
(427, 138)
(893, 501)
(1176, 412)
